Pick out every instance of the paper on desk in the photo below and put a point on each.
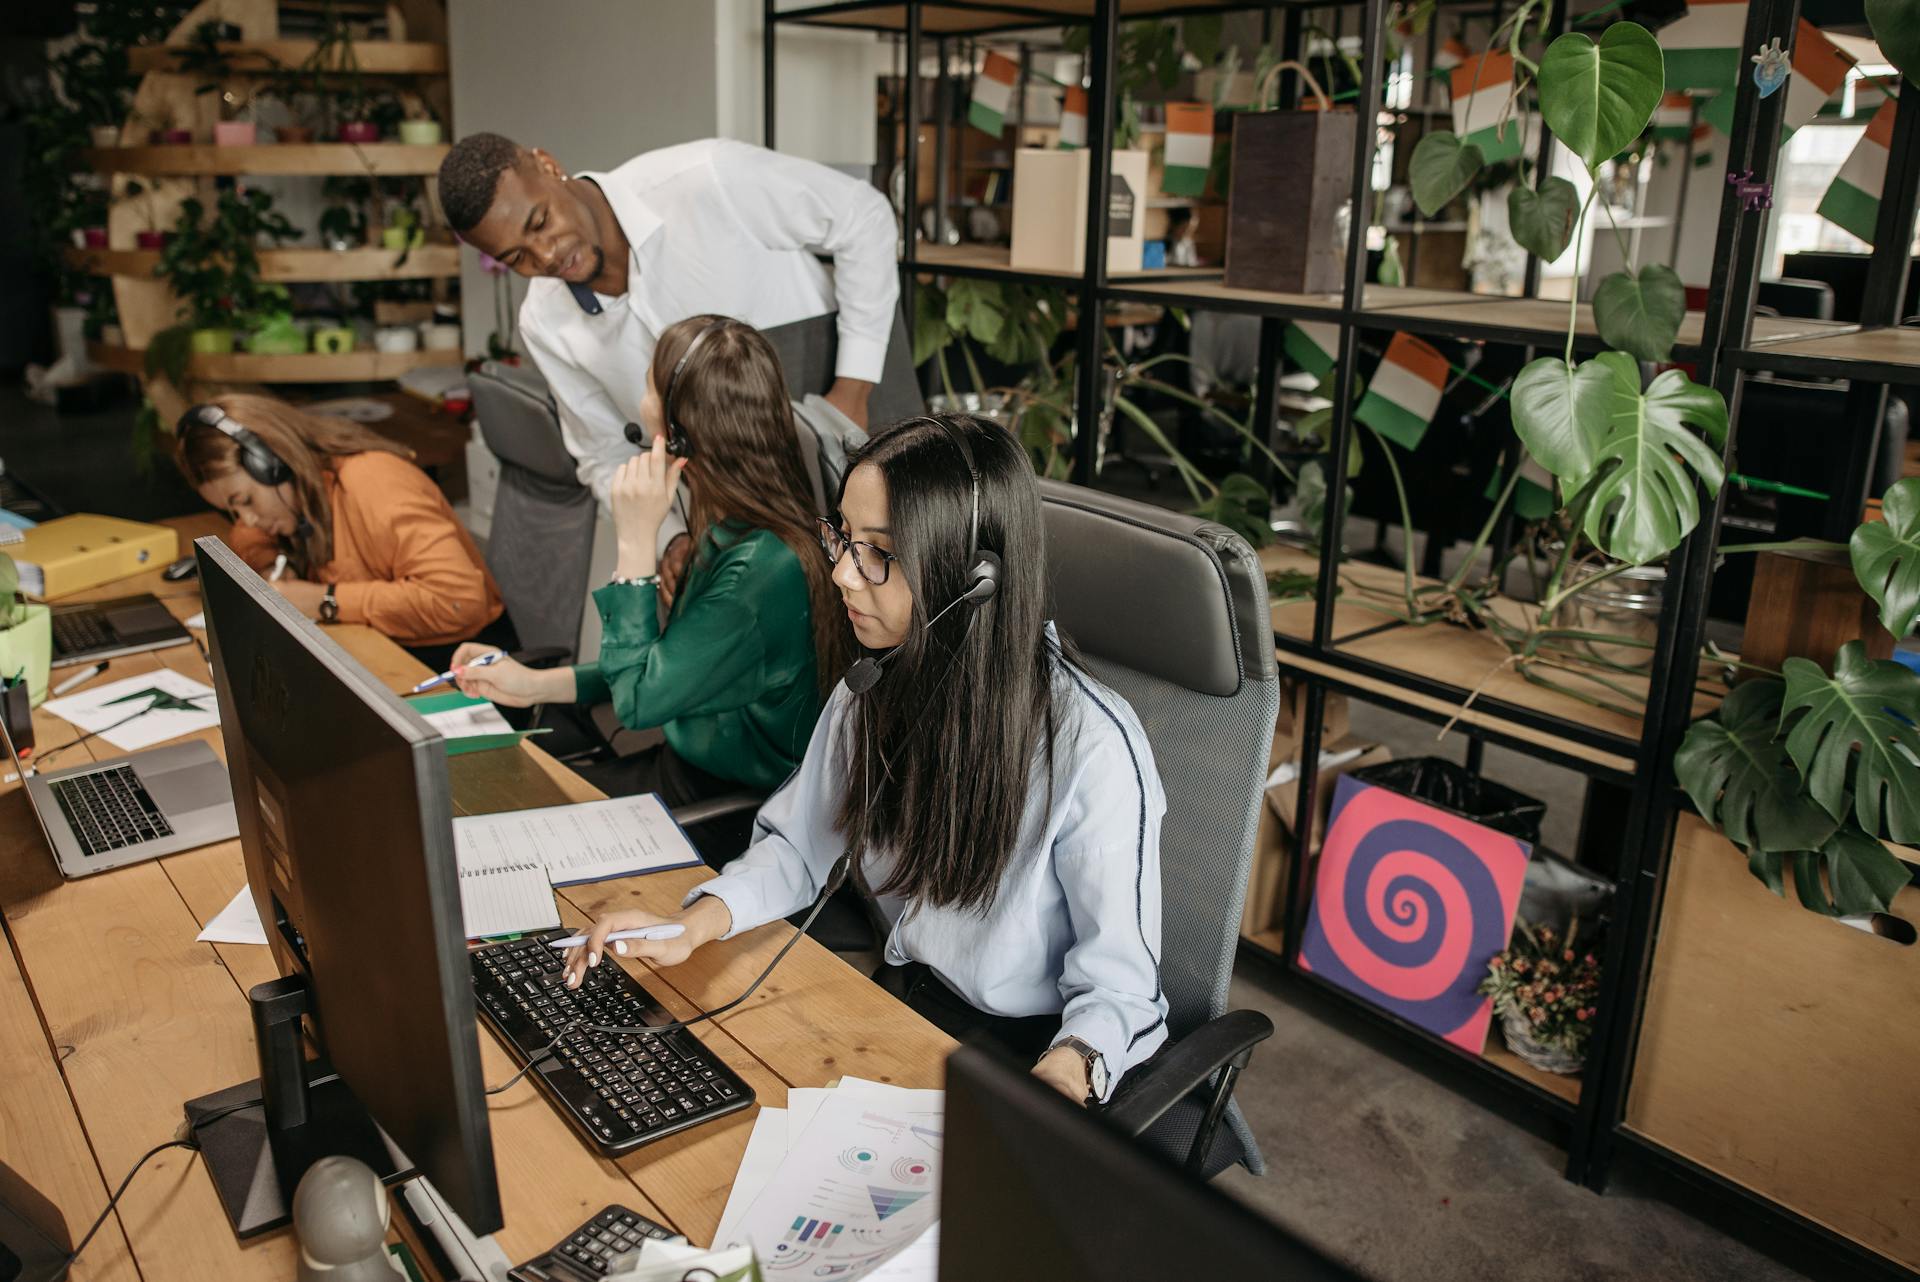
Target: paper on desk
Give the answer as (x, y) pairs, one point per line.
(120, 701)
(197, 620)
(590, 841)
(506, 899)
(237, 923)
(766, 1149)
(468, 720)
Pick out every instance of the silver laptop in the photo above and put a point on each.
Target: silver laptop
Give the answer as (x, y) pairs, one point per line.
(111, 813)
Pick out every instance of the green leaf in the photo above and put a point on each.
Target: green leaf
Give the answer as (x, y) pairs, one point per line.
(1896, 27)
(1542, 221)
(1863, 874)
(1806, 884)
(1765, 865)
(1440, 169)
(1853, 732)
(168, 352)
(931, 334)
(1561, 415)
(1391, 273)
(1886, 557)
(1641, 313)
(1643, 502)
(1241, 505)
(1739, 775)
(1598, 97)
(1201, 36)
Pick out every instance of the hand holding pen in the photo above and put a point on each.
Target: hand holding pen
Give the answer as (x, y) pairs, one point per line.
(453, 673)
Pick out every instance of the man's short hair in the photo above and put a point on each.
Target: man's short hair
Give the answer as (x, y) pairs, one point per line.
(470, 175)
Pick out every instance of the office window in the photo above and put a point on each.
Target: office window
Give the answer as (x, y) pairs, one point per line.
(1807, 168)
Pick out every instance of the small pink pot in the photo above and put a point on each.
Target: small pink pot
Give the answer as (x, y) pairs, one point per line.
(152, 239)
(94, 237)
(235, 133)
(362, 131)
(177, 137)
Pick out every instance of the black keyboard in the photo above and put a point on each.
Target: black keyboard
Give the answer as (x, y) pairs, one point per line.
(619, 1090)
(109, 809)
(590, 1249)
(82, 632)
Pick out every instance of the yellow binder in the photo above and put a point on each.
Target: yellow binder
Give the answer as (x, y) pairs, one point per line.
(73, 553)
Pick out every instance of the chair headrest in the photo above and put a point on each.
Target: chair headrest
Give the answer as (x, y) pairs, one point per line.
(1171, 596)
(518, 420)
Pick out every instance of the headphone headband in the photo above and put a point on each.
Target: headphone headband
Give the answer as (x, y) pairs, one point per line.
(257, 459)
(679, 444)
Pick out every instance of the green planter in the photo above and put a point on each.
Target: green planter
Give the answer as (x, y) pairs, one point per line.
(333, 340)
(279, 336)
(28, 647)
(212, 342)
(398, 238)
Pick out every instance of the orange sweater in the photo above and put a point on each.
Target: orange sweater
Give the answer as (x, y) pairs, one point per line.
(404, 563)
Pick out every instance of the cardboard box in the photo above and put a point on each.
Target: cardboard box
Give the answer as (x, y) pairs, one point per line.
(1293, 706)
(1049, 210)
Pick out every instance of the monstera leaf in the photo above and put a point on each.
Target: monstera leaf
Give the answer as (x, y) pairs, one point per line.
(1440, 169)
(1542, 221)
(1739, 775)
(1640, 312)
(1643, 503)
(1561, 413)
(1598, 97)
(1886, 557)
(1863, 874)
(1896, 28)
(1853, 733)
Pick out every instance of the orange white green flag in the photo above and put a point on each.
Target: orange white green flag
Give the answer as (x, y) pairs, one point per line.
(993, 93)
(1853, 201)
(1451, 53)
(1404, 393)
(1189, 148)
(1312, 345)
(1820, 70)
(1703, 48)
(1673, 117)
(1482, 88)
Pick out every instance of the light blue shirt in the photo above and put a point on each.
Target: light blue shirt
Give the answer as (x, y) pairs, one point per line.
(1075, 929)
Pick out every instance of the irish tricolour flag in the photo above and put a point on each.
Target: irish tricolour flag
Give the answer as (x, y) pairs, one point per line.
(1451, 53)
(1703, 49)
(1189, 148)
(992, 92)
(1073, 118)
(1481, 87)
(1312, 345)
(1673, 117)
(1405, 391)
(1819, 70)
(1853, 202)
(1532, 493)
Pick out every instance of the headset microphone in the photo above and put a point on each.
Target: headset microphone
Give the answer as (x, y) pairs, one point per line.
(865, 674)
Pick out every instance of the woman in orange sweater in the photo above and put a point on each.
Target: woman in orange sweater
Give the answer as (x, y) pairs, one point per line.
(368, 537)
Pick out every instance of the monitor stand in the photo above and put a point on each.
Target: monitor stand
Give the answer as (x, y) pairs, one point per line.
(258, 1138)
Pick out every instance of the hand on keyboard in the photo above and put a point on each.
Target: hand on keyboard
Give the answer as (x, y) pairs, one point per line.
(706, 918)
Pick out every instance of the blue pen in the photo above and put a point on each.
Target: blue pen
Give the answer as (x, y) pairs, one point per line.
(448, 675)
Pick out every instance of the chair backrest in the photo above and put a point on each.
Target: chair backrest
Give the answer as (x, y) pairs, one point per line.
(541, 538)
(1811, 299)
(1172, 613)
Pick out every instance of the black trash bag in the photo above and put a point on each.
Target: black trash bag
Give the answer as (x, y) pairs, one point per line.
(1442, 784)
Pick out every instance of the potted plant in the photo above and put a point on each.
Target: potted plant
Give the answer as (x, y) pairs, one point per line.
(26, 635)
(343, 223)
(275, 332)
(153, 237)
(418, 128)
(1545, 989)
(212, 265)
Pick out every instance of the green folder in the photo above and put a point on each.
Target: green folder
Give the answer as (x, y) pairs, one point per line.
(428, 704)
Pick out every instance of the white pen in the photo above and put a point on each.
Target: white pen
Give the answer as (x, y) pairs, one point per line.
(279, 568)
(672, 930)
(80, 678)
(484, 661)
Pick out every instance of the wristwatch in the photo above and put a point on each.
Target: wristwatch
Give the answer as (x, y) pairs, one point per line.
(329, 608)
(1096, 1066)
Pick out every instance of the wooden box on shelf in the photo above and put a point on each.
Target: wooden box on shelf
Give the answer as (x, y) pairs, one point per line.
(1049, 210)
(1778, 1047)
(1291, 172)
(1807, 603)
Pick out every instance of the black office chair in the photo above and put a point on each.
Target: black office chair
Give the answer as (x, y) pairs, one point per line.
(1809, 299)
(1171, 612)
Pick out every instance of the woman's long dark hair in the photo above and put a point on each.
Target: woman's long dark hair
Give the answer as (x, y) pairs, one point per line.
(747, 472)
(944, 748)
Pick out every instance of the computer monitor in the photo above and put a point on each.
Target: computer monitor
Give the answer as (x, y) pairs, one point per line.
(345, 820)
(1033, 1187)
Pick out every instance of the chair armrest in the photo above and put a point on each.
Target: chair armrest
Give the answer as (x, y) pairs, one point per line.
(1181, 1068)
(714, 807)
(543, 656)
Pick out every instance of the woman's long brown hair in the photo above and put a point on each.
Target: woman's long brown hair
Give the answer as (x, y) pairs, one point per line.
(747, 471)
(305, 443)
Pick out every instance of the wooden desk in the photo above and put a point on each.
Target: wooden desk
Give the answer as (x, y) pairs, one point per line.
(111, 1016)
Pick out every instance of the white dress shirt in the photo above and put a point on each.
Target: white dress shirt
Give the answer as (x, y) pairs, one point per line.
(722, 227)
(1075, 928)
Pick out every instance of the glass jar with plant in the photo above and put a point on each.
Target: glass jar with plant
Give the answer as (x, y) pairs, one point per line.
(213, 266)
(1546, 990)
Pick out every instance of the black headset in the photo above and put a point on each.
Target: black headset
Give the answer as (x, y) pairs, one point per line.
(679, 444)
(983, 566)
(256, 459)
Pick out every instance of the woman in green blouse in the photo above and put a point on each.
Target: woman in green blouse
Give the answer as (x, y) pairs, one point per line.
(756, 634)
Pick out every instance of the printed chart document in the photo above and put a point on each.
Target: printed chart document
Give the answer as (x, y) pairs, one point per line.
(141, 711)
(590, 841)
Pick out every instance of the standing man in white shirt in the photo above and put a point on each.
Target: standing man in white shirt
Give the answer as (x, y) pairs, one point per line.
(711, 226)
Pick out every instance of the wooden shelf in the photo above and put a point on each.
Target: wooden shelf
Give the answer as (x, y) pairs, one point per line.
(307, 367)
(998, 259)
(375, 57)
(292, 265)
(939, 19)
(1890, 355)
(203, 159)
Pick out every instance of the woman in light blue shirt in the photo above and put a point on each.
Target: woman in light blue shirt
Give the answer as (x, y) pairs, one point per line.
(1005, 803)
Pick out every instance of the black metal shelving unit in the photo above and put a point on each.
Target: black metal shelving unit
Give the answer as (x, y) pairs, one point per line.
(1628, 767)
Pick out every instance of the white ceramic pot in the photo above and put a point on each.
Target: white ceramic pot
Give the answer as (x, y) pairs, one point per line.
(440, 337)
(396, 339)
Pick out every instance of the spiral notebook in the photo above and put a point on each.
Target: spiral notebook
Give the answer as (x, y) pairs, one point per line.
(507, 899)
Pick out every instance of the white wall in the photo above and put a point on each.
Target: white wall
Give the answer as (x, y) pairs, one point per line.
(825, 81)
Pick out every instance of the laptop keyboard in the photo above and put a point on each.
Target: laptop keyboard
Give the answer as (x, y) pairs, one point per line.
(109, 810)
(81, 632)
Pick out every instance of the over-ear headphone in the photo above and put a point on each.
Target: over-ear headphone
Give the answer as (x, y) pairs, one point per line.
(679, 444)
(256, 459)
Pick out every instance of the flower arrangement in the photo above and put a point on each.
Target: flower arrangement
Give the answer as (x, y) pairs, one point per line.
(1545, 990)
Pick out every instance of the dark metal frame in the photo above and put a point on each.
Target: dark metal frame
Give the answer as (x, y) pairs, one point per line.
(1598, 1139)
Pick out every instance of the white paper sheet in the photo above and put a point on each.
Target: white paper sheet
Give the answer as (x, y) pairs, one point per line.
(96, 709)
(766, 1149)
(197, 620)
(506, 899)
(590, 841)
(465, 722)
(237, 923)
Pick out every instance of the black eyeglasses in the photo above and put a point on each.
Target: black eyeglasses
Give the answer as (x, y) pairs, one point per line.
(873, 561)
